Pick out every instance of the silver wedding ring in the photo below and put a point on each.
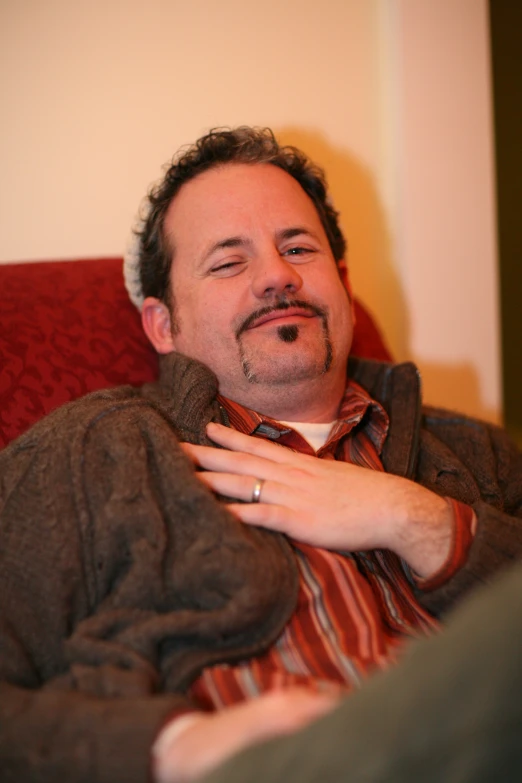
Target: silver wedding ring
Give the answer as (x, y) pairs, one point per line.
(256, 492)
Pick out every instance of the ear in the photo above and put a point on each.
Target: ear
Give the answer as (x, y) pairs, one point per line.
(155, 318)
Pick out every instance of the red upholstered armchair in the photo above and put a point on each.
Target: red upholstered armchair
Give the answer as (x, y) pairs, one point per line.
(68, 328)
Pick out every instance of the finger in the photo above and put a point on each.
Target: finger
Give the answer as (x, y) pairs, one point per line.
(242, 488)
(248, 444)
(230, 484)
(297, 708)
(223, 461)
(286, 710)
(190, 450)
(273, 517)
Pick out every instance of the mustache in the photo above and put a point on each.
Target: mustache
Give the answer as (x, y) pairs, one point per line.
(285, 304)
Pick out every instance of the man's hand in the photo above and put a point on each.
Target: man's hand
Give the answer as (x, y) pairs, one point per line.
(210, 738)
(327, 503)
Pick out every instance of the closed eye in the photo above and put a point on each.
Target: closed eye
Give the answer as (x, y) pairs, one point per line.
(227, 268)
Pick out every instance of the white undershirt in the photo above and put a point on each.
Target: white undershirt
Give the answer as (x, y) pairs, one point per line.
(315, 433)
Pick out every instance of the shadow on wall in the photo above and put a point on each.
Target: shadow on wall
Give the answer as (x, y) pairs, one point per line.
(374, 275)
(455, 386)
(370, 250)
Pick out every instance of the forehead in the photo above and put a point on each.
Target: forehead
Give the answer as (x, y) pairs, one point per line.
(238, 198)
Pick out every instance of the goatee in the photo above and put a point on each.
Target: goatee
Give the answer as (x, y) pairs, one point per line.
(288, 333)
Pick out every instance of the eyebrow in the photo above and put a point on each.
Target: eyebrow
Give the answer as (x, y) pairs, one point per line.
(223, 244)
(295, 231)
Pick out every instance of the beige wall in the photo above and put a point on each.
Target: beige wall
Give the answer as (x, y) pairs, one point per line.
(445, 222)
(390, 96)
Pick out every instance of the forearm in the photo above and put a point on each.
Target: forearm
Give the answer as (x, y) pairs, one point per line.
(196, 744)
(419, 527)
(109, 595)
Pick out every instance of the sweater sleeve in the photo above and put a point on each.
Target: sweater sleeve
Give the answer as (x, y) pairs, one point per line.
(79, 679)
(476, 464)
(114, 592)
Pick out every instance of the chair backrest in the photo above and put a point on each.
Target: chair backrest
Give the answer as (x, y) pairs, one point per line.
(68, 328)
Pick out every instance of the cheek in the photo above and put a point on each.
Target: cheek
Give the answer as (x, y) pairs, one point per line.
(210, 321)
(334, 295)
(341, 322)
(193, 308)
(346, 315)
(209, 314)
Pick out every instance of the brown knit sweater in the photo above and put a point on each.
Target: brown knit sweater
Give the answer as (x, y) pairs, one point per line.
(121, 576)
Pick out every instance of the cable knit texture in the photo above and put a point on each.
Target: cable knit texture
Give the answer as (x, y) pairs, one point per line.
(121, 576)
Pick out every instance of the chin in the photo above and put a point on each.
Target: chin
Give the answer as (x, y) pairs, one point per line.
(291, 355)
(282, 370)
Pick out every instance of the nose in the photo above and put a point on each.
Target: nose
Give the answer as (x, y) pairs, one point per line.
(275, 275)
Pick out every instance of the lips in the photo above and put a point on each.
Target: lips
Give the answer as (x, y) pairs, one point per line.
(280, 314)
(281, 311)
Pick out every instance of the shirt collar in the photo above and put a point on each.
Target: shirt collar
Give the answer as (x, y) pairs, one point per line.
(356, 408)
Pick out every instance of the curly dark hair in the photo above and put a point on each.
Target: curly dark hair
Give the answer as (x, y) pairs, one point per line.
(218, 147)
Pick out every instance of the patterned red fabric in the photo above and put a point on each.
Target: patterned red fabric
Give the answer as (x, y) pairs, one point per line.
(68, 328)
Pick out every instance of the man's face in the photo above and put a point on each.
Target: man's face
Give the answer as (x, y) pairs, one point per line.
(257, 293)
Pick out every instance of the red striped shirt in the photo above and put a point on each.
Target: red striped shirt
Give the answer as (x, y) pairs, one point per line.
(354, 609)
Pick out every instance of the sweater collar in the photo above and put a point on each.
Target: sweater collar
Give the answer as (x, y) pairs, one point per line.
(398, 388)
(187, 391)
(190, 390)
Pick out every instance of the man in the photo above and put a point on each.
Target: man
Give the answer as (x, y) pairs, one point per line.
(147, 599)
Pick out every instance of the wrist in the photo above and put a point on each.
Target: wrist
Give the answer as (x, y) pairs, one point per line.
(424, 533)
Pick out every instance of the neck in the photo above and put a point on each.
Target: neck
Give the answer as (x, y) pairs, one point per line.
(309, 401)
